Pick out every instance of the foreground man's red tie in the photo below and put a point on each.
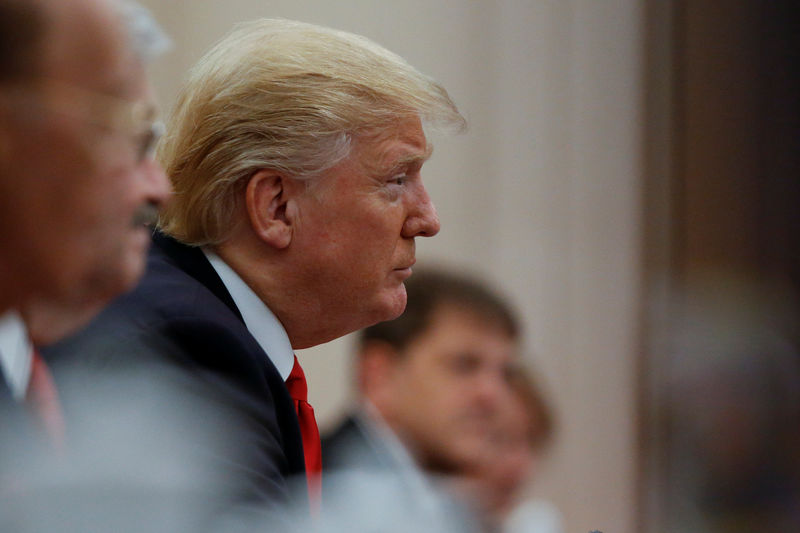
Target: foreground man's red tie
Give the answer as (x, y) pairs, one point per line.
(42, 399)
(312, 450)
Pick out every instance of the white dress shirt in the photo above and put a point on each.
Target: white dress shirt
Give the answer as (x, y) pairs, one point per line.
(15, 354)
(260, 321)
(399, 498)
(534, 516)
(428, 496)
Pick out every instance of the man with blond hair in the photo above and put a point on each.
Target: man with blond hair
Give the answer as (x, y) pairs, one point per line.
(295, 154)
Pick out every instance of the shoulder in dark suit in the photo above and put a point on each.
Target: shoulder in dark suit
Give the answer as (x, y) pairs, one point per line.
(13, 420)
(181, 321)
(352, 444)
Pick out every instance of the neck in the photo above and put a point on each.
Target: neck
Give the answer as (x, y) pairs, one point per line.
(263, 271)
(11, 289)
(280, 280)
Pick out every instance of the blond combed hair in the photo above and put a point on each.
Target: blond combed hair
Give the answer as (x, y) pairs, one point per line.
(281, 95)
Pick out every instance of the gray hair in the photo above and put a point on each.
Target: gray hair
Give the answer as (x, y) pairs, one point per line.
(287, 96)
(23, 30)
(146, 38)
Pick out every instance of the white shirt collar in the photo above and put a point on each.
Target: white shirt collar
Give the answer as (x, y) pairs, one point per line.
(262, 324)
(15, 354)
(371, 421)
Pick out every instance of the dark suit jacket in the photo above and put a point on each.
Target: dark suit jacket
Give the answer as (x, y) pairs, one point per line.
(16, 422)
(181, 317)
(19, 437)
(5, 392)
(13, 419)
(353, 445)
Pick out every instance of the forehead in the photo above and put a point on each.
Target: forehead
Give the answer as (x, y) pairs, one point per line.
(403, 144)
(456, 330)
(86, 45)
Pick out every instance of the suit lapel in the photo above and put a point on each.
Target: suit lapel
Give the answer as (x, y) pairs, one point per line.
(193, 261)
(5, 391)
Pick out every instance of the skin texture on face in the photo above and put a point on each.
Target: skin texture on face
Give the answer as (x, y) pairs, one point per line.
(77, 182)
(340, 249)
(442, 395)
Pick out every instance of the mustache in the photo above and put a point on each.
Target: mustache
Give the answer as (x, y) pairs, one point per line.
(146, 215)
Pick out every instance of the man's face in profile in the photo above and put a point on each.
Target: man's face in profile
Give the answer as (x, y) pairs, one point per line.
(356, 229)
(81, 177)
(442, 395)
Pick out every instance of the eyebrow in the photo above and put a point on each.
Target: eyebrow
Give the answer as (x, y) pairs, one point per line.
(409, 159)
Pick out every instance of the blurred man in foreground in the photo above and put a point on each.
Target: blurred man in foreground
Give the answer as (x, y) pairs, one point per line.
(78, 182)
(295, 153)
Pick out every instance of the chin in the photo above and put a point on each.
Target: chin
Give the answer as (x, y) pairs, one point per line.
(395, 313)
(114, 279)
(55, 317)
(132, 273)
(386, 314)
(133, 263)
(387, 306)
(396, 304)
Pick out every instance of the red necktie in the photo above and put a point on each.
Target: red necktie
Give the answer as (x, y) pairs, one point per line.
(312, 450)
(42, 398)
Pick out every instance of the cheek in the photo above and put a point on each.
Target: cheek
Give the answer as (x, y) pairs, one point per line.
(106, 229)
(382, 228)
(449, 408)
(115, 199)
(359, 236)
(414, 391)
(113, 266)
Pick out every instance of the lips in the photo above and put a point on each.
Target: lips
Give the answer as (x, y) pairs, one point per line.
(408, 266)
(402, 273)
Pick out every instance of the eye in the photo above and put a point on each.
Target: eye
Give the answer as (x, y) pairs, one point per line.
(399, 179)
(149, 140)
(465, 363)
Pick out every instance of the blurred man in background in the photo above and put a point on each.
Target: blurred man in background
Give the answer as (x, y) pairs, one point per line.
(521, 434)
(431, 385)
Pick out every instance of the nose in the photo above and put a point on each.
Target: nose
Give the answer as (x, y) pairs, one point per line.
(491, 389)
(158, 186)
(422, 220)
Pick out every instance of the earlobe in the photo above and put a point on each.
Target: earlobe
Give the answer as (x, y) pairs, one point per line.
(376, 361)
(266, 198)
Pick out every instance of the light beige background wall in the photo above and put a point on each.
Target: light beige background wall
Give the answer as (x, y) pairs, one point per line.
(541, 197)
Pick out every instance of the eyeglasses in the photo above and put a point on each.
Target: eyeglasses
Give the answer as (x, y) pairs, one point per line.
(134, 119)
(146, 148)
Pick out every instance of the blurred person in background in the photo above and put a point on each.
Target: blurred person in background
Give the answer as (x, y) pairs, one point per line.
(78, 182)
(431, 385)
(295, 152)
(731, 403)
(522, 432)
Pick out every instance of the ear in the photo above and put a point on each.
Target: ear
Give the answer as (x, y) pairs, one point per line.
(266, 198)
(376, 365)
